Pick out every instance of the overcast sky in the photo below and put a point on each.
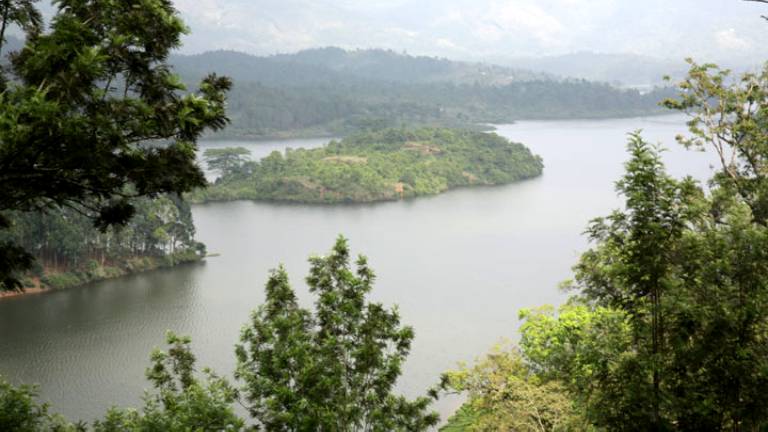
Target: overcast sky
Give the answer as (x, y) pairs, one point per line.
(714, 29)
(708, 30)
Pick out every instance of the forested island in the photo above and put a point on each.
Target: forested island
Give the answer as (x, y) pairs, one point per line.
(376, 165)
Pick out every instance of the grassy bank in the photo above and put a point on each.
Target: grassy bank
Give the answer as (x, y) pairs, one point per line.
(51, 278)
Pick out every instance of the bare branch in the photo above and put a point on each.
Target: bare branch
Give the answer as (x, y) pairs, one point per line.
(765, 17)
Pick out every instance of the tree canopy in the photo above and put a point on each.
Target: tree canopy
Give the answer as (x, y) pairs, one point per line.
(93, 116)
(226, 161)
(331, 369)
(379, 165)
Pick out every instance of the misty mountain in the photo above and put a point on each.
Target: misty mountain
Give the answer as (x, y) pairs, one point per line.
(388, 65)
(621, 69)
(333, 65)
(331, 91)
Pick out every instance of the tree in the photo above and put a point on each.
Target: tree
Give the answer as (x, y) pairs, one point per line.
(20, 411)
(21, 13)
(506, 394)
(95, 118)
(333, 369)
(730, 117)
(690, 274)
(630, 269)
(182, 402)
(226, 161)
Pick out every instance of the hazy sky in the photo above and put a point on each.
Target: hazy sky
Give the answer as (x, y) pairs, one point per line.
(714, 29)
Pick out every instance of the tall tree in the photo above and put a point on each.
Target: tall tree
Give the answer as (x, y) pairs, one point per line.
(96, 118)
(730, 116)
(333, 369)
(226, 161)
(181, 401)
(690, 272)
(21, 13)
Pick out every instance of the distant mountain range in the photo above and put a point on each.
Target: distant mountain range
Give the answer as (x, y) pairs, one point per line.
(619, 69)
(331, 65)
(331, 91)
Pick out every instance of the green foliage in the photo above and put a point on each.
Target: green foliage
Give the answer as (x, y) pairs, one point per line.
(70, 251)
(226, 161)
(668, 330)
(730, 116)
(379, 165)
(20, 411)
(62, 280)
(462, 420)
(689, 272)
(333, 369)
(94, 118)
(583, 348)
(506, 394)
(579, 346)
(181, 401)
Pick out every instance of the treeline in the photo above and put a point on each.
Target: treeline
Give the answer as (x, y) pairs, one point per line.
(336, 92)
(259, 110)
(70, 251)
(375, 165)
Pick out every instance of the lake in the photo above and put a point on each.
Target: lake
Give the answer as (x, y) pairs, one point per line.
(459, 266)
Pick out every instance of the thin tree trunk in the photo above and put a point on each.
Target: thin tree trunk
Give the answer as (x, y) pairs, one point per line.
(3, 27)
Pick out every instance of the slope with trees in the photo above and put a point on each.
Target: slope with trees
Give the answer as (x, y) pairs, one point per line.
(92, 118)
(667, 325)
(335, 92)
(376, 165)
(70, 251)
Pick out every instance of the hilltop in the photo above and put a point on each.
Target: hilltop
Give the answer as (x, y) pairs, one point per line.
(330, 91)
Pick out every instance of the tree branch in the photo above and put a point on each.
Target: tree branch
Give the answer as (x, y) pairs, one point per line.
(760, 1)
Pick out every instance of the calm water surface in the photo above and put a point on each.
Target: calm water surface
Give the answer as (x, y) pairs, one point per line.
(459, 266)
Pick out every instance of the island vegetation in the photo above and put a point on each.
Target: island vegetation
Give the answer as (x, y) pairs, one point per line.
(375, 165)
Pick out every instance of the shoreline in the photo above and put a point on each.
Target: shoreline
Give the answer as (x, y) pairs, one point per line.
(38, 287)
(485, 126)
(287, 202)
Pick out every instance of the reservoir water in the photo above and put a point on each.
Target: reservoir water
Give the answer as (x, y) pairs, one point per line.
(459, 266)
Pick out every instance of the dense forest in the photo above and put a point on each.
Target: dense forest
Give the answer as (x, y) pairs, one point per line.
(70, 251)
(376, 165)
(335, 92)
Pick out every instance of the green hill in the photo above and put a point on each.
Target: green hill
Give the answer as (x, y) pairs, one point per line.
(333, 92)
